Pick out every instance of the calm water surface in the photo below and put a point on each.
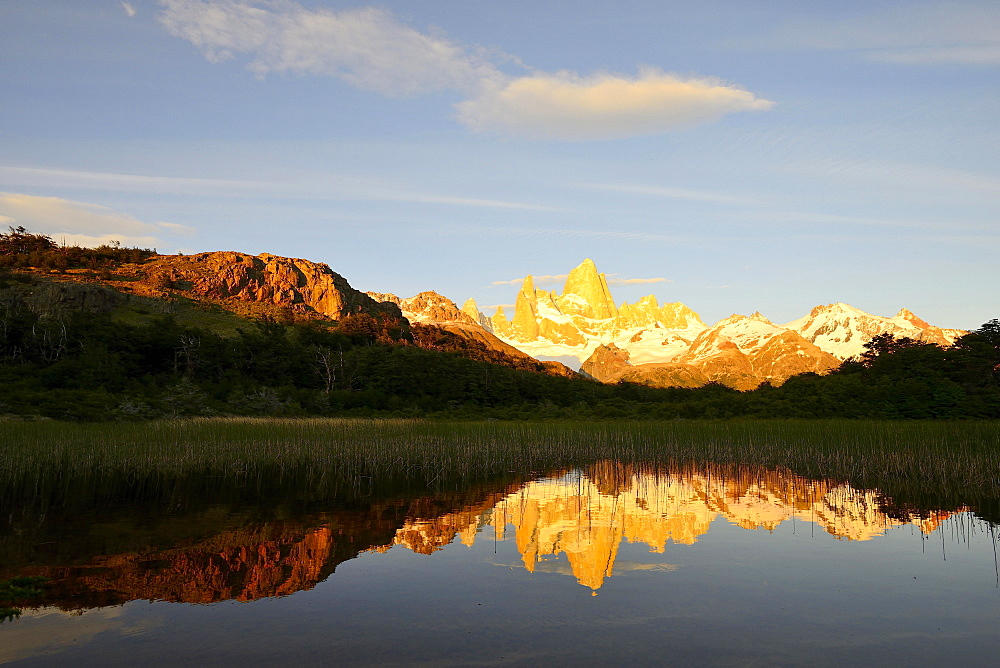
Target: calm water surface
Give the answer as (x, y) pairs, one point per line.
(609, 564)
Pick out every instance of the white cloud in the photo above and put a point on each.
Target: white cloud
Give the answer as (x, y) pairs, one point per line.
(79, 223)
(604, 106)
(494, 307)
(366, 47)
(178, 229)
(557, 279)
(637, 281)
(129, 9)
(370, 49)
(546, 279)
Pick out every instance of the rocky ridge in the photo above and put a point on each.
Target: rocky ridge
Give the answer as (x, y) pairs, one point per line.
(281, 281)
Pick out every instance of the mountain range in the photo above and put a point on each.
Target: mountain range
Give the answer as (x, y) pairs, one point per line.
(666, 345)
(648, 343)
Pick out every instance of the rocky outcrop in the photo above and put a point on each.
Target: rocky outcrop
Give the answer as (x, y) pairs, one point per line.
(432, 307)
(432, 310)
(265, 278)
(607, 363)
(586, 294)
(471, 309)
(665, 374)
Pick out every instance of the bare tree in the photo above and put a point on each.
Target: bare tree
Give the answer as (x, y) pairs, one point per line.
(186, 355)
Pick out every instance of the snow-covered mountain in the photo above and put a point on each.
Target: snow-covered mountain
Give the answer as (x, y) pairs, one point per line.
(664, 345)
(842, 330)
(669, 345)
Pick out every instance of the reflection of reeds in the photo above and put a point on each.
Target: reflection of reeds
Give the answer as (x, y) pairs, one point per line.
(939, 458)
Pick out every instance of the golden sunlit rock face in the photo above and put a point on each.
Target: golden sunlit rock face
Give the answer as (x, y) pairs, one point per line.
(585, 516)
(266, 278)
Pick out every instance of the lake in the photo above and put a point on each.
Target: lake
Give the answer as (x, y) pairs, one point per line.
(172, 559)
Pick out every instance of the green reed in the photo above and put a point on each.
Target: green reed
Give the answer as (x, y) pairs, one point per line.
(936, 457)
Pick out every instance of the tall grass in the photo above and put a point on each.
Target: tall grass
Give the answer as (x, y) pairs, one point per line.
(929, 457)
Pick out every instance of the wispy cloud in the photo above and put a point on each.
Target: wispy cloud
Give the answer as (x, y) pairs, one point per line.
(920, 176)
(464, 201)
(70, 178)
(604, 106)
(128, 8)
(178, 229)
(367, 47)
(312, 186)
(636, 281)
(545, 279)
(548, 233)
(828, 219)
(558, 279)
(370, 49)
(671, 193)
(82, 223)
(911, 33)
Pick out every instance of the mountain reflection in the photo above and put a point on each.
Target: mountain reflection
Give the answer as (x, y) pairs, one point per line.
(571, 521)
(587, 514)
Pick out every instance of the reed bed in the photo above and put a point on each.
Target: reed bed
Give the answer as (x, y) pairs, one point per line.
(932, 457)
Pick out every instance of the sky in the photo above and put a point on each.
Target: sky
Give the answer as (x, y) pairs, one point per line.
(736, 156)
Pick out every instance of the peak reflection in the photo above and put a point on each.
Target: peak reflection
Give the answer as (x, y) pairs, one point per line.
(586, 514)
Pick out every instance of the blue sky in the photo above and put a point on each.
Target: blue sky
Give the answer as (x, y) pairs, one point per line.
(735, 156)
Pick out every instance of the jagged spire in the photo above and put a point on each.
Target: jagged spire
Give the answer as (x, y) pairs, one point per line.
(586, 293)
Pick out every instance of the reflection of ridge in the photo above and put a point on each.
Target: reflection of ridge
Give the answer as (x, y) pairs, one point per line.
(239, 565)
(259, 560)
(585, 515)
